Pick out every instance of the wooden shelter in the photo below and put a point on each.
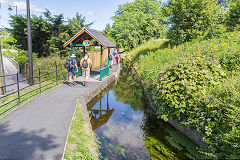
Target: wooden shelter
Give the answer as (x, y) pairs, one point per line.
(90, 37)
(99, 117)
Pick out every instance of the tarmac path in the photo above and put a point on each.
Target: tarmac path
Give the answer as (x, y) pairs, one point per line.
(38, 129)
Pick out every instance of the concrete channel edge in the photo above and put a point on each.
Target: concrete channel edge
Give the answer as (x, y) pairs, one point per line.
(89, 97)
(192, 134)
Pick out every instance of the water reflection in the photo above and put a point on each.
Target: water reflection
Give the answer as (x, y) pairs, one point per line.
(99, 116)
(126, 131)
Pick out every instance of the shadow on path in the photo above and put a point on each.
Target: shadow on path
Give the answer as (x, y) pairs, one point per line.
(28, 145)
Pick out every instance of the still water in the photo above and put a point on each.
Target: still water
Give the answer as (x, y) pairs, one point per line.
(128, 130)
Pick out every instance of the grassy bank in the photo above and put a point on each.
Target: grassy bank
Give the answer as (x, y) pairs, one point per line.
(196, 83)
(48, 81)
(81, 142)
(11, 102)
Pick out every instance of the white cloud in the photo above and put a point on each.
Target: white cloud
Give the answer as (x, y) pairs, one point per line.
(132, 134)
(3, 1)
(90, 13)
(22, 6)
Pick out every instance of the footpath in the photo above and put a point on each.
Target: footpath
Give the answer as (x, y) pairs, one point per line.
(38, 129)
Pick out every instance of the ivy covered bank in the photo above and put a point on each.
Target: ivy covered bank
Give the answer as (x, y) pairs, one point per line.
(196, 83)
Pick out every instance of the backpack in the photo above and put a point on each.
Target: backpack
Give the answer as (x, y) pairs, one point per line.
(85, 63)
(70, 64)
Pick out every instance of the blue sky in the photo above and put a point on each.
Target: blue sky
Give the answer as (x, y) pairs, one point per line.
(97, 11)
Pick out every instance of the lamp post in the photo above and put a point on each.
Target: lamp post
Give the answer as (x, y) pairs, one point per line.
(10, 8)
(29, 44)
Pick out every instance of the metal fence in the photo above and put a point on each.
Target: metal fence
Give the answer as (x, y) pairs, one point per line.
(20, 91)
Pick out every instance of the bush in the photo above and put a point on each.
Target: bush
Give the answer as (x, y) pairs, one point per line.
(21, 59)
(181, 85)
(48, 67)
(197, 83)
(10, 54)
(223, 110)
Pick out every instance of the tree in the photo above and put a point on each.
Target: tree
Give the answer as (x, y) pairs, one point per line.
(76, 24)
(41, 32)
(49, 33)
(189, 19)
(8, 42)
(19, 30)
(137, 22)
(233, 17)
(107, 30)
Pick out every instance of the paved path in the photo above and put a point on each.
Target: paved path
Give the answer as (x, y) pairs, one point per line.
(38, 129)
(11, 77)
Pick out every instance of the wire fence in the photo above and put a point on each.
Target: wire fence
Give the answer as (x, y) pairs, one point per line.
(18, 89)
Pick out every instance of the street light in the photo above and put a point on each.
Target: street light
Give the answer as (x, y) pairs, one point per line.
(10, 8)
(29, 44)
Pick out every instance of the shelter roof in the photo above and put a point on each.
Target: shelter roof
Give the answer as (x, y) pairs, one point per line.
(88, 34)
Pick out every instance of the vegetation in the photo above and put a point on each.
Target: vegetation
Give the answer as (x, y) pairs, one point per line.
(81, 142)
(48, 81)
(233, 17)
(197, 84)
(26, 95)
(76, 24)
(137, 22)
(192, 18)
(49, 32)
(8, 42)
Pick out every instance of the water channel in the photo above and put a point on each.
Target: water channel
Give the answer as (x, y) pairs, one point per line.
(126, 128)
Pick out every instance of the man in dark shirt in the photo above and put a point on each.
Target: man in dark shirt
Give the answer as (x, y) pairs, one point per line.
(74, 70)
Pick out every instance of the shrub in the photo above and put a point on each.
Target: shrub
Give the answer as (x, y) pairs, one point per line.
(197, 83)
(223, 130)
(10, 54)
(47, 67)
(181, 85)
(21, 59)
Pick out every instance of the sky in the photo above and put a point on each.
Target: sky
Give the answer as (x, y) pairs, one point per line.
(97, 11)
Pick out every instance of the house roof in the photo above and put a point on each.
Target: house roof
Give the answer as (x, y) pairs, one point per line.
(88, 34)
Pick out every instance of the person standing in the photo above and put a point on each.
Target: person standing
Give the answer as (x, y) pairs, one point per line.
(110, 60)
(72, 68)
(117, 58)
(86, 64)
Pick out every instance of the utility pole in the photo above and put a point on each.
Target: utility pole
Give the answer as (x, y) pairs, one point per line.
(3, 89)
(29, 44)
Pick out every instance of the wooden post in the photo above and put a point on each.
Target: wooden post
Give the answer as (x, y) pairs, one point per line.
(26, 69)
(108, 62)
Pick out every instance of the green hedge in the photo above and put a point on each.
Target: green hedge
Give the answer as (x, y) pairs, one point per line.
(198, 84)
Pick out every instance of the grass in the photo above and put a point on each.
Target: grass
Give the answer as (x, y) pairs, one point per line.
(81, 142)
(28, 93)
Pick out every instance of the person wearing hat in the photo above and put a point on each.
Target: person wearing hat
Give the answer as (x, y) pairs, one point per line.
(72, 68)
